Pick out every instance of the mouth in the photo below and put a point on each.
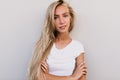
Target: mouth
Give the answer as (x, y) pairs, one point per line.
(62, 27)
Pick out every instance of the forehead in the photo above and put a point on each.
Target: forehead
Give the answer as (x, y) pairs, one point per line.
(61, 10)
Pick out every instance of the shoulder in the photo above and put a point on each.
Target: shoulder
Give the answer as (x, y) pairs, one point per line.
(77, 43)
(78, 47)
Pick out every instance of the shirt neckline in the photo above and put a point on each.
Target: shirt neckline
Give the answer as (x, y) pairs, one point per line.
(64, 47)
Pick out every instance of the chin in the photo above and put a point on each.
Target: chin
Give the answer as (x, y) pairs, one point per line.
(63, 31)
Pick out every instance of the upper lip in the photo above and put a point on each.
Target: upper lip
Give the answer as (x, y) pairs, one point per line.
(63, 26)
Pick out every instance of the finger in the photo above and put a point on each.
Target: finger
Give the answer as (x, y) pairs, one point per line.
(82, 67)
(84, 71)
(81, 64)
(44, 66)
(45, 63)
(43, 69)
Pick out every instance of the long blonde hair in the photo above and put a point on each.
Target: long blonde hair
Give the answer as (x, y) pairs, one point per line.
(45, 42)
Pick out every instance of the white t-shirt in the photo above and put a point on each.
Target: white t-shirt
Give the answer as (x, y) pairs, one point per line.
(61, 62)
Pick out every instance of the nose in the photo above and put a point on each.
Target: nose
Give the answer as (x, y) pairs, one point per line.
(61, 20)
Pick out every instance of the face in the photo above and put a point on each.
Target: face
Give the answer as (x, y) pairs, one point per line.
(62, 19)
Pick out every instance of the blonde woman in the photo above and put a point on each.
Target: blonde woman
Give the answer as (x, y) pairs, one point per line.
(56, 55)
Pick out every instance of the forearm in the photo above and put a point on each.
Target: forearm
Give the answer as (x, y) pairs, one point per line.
(54, 77)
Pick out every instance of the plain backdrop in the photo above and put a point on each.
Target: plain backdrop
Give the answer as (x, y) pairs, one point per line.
(97, 27)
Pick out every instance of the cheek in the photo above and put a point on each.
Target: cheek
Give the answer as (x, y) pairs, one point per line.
(56, 23)
(68, 21)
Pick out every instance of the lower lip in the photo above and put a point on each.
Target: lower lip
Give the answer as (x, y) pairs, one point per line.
(62, 27)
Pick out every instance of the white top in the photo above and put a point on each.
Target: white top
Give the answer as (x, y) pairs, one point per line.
(61, 62)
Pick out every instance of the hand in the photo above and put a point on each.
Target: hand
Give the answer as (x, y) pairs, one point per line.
(79, 71)
(44, 67)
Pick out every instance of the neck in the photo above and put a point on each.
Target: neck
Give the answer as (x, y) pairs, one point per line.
(63, 36)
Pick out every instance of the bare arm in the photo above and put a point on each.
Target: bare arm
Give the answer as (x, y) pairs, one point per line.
(77, 75)
(54, 77)
(48, 76)
(80, 59)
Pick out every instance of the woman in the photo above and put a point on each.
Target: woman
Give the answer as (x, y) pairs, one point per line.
(57, 56)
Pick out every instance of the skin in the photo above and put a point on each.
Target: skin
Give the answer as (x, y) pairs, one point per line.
(62, 22)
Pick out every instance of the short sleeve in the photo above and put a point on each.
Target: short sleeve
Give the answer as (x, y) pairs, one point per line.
(79, 48)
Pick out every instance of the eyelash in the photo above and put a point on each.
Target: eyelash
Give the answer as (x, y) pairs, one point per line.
(63, 16)
(55, 17)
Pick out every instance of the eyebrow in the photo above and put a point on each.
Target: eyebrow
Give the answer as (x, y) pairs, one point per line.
(62, 14)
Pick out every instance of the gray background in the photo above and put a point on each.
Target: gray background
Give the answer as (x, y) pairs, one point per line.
(97, 27)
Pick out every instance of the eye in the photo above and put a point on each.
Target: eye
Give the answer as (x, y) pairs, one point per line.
(66, 15)
(55, 17)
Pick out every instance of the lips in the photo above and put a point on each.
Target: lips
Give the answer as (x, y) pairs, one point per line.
(62, 27)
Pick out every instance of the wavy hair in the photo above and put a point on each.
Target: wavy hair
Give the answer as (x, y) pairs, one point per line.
(45, 42)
